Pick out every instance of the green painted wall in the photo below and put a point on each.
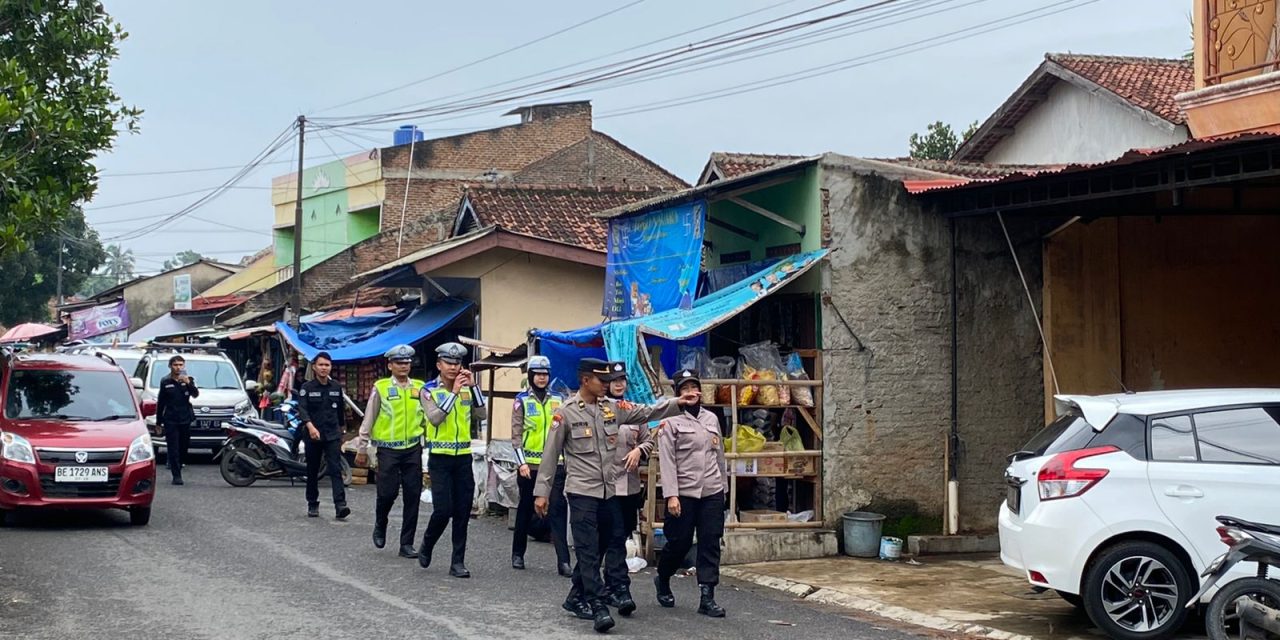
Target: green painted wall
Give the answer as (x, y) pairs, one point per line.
(328, 227)
(798, 200)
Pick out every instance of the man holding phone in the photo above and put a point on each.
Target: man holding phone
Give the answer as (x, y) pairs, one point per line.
(320, 407)
(174, 414)
(452, 403)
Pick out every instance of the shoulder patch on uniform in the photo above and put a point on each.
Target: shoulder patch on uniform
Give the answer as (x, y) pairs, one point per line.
(626, 405)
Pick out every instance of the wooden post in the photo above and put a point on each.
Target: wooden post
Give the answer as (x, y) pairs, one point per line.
(733, 471)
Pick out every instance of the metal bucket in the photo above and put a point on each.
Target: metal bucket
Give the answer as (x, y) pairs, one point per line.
(862, 533)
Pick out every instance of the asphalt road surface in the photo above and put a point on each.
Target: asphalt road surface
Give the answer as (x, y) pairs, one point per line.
(221, 562)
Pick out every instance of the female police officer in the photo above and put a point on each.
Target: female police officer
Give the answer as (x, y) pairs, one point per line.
(691, 457)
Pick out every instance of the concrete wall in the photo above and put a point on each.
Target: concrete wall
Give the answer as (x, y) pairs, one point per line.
(1073, 125)
(886, 405)
(1000, 360)
(153, 297)
(516, 290)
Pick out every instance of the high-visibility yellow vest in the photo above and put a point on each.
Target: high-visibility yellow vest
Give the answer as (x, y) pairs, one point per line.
(400, 419)
(537, 420)
(453, 436)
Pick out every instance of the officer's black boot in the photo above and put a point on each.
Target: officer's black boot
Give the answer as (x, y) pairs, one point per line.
(577, 605)
(665, 597)
(342, 511)
(600, 615)
(458, 568)
(424, 554)
(313, 510)
(379, 535)
(565, 569)
(517, 561)
(707, 603)
(623, 601)
(407, 551)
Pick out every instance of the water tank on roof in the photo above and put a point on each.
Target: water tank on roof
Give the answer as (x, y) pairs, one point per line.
(408, 133)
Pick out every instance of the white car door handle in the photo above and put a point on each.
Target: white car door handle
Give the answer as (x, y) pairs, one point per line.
(1183, 492)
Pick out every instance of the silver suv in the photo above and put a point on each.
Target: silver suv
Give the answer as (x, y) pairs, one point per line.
(222, 393)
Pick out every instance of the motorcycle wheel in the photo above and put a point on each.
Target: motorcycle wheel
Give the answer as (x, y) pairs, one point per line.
(1221, 621)
(346, 471)
(233, 473)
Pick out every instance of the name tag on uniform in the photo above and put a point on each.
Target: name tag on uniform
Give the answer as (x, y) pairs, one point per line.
(580, 430)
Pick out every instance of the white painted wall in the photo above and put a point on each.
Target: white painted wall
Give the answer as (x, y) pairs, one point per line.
(1074, 125)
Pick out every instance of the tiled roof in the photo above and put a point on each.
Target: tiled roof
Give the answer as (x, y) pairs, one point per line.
(560, 214)
(732, 165)
(1148, 83)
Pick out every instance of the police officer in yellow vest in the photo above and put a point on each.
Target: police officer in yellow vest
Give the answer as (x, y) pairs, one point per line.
(530, 419)
(393, 423)
(452, 403)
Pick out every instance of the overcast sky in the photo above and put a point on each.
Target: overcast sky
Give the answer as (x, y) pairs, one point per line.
(219, 80)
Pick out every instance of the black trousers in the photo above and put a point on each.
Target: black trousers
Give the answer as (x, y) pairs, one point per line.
(615, 556)
(177, 439)
(452, 487)
(400, 470)
(331, 452)
(557, 517)
(594, 521)
(705, 516)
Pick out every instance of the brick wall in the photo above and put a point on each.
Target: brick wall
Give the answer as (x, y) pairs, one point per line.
(598, 161)
(505, 148)
(434, 201)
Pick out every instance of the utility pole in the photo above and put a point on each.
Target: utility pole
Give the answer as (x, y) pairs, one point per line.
(296, 317)
(62, 243)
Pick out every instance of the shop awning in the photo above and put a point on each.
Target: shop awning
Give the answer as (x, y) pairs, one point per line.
(365, 337)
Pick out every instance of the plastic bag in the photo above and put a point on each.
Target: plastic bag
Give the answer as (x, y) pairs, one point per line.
(696, 358)
(760, 361)
(749, 440)
(802, 396)
(790, 439)
(720, 369)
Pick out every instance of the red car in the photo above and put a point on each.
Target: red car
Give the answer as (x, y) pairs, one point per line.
(72, 437)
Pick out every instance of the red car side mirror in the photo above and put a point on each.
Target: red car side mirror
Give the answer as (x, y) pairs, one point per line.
(148, 408)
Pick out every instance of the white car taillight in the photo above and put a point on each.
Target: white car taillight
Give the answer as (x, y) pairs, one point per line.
(1059, 478)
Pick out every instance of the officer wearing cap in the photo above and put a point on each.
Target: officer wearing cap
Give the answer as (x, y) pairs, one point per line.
(394, 421)
(530, 421)
(585, 429)
(634, 444)
(452, 403)
(691, 457)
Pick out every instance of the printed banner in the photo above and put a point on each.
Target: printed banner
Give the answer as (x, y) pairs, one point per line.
(96, 321)
(182, 291)
(653, 261)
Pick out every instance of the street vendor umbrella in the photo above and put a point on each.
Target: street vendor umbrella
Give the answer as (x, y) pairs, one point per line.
(27, 331)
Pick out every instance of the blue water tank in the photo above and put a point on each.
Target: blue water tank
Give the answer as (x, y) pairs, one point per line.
(408, 133)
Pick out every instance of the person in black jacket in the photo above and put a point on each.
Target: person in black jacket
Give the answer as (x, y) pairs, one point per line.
(320, 409)
(174, 413)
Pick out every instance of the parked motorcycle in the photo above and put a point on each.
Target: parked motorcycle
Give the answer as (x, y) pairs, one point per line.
(1245, 607)
(257, 449)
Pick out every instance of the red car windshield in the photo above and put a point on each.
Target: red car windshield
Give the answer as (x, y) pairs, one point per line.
(69, 395)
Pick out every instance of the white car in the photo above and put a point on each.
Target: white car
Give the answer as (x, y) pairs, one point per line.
(1113, 504)
(222, 393)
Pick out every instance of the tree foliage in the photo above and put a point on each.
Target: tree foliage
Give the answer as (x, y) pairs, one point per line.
(57, 111)
(31, 277)
(183, 259)
(939, 141)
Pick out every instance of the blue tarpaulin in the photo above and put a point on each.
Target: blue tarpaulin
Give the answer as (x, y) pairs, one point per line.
(620, 338)
(652, 261)
(371, 336)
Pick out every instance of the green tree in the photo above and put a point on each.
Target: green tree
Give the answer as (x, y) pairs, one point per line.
(183, 259)
(119, 264)
(57, 111)
(939, 141)
(31, 277)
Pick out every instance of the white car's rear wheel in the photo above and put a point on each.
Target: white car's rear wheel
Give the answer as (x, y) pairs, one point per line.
(1135, 591)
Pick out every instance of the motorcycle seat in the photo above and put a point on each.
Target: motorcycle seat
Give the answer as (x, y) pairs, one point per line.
(271, 427)
(1249, 526)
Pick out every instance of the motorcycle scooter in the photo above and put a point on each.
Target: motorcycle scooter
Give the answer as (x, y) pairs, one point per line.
(257, 449)
(1244, 607)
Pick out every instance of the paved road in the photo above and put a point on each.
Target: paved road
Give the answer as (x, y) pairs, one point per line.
(220, 562)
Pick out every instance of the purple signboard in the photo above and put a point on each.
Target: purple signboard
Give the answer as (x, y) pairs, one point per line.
(99, 320)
